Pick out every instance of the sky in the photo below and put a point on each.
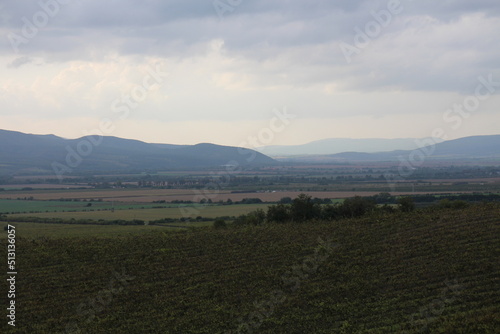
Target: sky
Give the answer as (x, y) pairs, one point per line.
(250, 72)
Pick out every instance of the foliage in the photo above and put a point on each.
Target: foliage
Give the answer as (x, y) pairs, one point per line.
(279, 213)
(357, 206)
(406, 204)
(425, 271)
(257, 217)
(450, 204)
(250, 201)
(219, 223)
(285, 200)
(303, 208)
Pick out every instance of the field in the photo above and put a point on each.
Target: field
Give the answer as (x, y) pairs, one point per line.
(17, 206)
(430, 271)
(181, 211)
(51, 231)
(151, 195)
(147, 195)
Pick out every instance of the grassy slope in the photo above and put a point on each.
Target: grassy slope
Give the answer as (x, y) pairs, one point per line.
(384, 272)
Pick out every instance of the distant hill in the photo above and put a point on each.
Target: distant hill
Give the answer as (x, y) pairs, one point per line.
(475, 147)
(28, 153)
(339, 145)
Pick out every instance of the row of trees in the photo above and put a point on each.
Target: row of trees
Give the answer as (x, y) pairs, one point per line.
(304, 208)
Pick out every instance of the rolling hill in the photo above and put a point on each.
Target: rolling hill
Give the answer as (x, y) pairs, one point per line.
(45, 154)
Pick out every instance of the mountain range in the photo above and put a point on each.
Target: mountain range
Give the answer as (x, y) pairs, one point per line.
(341, 145)
(22, 153)
(467, 148)
(49, 154)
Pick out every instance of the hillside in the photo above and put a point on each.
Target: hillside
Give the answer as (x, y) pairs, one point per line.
(340, 145)
(476, 147)
(20, 152)
(435, 271)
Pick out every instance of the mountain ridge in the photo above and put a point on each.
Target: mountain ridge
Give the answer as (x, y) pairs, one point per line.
(340, 145)
(472, 147)
(21, 152)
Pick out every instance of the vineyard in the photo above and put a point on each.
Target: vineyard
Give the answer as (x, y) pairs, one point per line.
(434, 271)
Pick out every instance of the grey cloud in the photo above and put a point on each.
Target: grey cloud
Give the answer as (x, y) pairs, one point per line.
(280, 23)
(301, 35)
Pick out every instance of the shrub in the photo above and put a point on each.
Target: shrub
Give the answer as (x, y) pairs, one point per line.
(285, 200)
(448, 204)
(331, 212)
(406, 204)
(459, 204)
(279, 213)
(356, 206)
(251, 201)
(219, 224)
(257, 217)
(303, 208)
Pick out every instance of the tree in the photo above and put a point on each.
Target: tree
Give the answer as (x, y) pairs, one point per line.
(278, 213)
(219, 224)
(285, 200)
(257, 217)
(303, 208)
(330, 212)
(406, 204)
(356, 206)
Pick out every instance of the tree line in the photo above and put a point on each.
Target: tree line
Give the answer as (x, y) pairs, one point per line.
(304, 208)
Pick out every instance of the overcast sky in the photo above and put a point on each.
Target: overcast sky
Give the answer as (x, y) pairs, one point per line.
(190, 71)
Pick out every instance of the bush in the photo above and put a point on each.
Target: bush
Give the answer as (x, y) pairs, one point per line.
(331, 212)
(406, 204)
(219, 224)
(448, 204)
(257, 217)
(356, 206)
(459, 204)
(387, 208)
(279, 213)
(285, 200)
(251, 201)
(303, 208)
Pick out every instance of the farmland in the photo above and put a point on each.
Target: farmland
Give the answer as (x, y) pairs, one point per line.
(185, 211)
(142, 254)
(152, 195)
(51, 231)
(433, 271)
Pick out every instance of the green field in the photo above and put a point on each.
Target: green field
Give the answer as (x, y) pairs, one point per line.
(427, 271)
(28, 206)
(51, 231)
(191, 211)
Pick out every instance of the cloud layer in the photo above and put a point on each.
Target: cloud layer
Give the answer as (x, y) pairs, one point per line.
(232, 62)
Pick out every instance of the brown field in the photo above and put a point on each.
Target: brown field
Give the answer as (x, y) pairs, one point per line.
(104, 194)
(269, 196)
(478, 180)
(43, 186)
